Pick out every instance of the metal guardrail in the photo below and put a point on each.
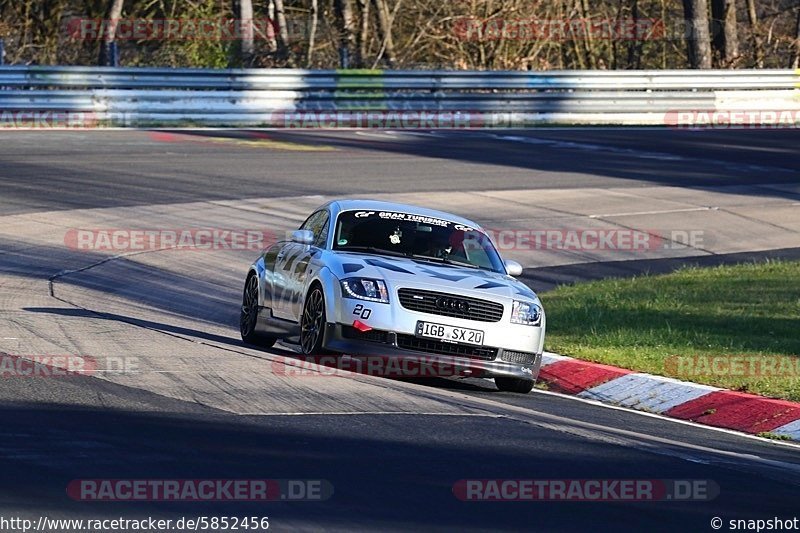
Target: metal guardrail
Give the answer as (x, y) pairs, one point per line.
(263, 79)
(144, 96)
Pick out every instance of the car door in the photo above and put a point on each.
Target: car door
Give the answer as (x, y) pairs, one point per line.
(291, 267)
(281, 280)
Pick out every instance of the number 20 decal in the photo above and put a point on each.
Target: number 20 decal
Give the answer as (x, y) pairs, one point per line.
(363, 312)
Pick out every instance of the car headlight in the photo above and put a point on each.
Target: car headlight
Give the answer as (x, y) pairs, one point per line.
(525, 313)
(372, 290)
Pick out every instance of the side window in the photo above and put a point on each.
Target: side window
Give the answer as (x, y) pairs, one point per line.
(318, 225)
(475, 252)
(321, 236)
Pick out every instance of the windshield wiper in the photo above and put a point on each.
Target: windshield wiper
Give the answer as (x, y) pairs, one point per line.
(459, 263)
(371, 250)
(445, 260)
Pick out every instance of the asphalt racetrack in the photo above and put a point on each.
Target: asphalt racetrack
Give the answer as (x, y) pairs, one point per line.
(194, 402)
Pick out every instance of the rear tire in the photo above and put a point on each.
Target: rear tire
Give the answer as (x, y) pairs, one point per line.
(248, 316)
(520, 386)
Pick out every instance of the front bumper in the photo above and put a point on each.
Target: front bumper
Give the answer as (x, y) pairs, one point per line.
(391, 344)
(508, 350)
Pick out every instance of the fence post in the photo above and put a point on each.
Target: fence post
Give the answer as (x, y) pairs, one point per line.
(110, 54)
(114, 53)
(2, 52)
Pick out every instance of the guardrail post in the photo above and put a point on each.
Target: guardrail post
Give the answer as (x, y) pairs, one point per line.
(344, 57)
(114, 54)
(2, 52)
(110, 56)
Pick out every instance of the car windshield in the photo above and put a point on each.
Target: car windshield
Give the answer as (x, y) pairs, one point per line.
(416, 236)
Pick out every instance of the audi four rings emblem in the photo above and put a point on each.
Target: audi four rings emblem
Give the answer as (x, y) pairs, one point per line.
(452, 304)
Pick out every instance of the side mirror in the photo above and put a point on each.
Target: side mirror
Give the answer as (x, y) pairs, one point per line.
(303, 236)
(513, 268)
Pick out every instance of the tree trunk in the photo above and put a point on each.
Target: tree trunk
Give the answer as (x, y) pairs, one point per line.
(796, 62)
(283, 30)
(385, 31)
(363, 36)
(587, 38)
(312, 32)
(699, 41)
(114, 13)
(725, 36)
(634, 45)
(246, 21)
(758, 47)
(347, 29)
(272, 29)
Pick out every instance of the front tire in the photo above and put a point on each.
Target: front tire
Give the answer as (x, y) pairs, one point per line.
(520, 386)
(312, 323)
(249, 316)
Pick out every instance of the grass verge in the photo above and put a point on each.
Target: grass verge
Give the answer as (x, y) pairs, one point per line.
(736, 327)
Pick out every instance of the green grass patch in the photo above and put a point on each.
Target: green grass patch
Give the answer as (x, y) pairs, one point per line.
(736, 327)
(773, 436)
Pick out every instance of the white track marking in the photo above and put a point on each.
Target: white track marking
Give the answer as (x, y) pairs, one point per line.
(646, 392)
(363, 413)
(762, 440)
(791, 429)
(663, 212)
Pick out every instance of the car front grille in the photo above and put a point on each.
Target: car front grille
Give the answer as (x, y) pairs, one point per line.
(440, 303)
(521, 358)
(410, 342)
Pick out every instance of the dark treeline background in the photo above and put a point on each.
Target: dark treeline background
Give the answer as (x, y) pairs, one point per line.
(450, 34)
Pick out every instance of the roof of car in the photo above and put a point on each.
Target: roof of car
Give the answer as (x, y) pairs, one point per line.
(378, 205)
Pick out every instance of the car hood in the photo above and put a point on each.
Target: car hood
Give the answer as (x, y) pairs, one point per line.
(406, 272)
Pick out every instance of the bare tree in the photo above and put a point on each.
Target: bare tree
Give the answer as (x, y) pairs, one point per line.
(272, 41)
(283, 30)
(312, 32)
(246, 24)
(634, 59)
(385, 31)
(758, 46)
(112, 20)
(587, 39)
(461, 34)
(363, 36)
(796, 62)
(725, 38)
(347, 31)
(695, 13)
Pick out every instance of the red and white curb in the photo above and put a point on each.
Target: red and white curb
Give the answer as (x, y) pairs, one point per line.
(670, 397)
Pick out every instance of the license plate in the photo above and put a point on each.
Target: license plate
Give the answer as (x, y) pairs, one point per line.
(449, 333)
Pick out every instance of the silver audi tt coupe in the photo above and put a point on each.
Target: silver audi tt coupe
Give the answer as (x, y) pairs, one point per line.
(364, 277)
